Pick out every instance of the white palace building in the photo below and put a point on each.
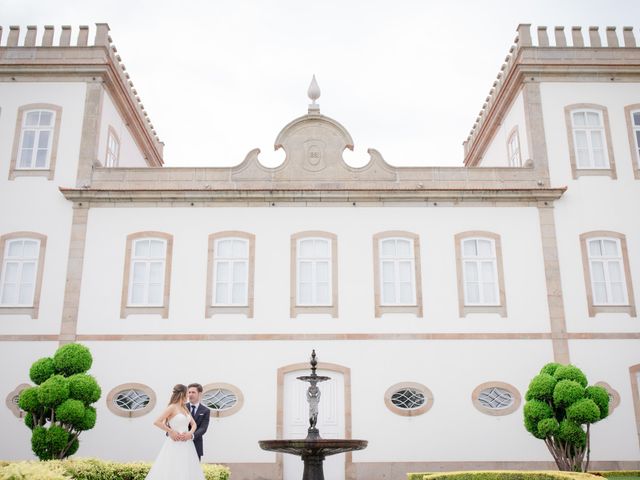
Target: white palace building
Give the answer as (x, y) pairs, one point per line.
(431, 294)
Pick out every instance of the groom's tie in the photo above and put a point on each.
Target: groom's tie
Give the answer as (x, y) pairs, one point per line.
(193, 410)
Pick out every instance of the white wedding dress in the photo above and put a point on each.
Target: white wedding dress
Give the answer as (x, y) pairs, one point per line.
(177, 460)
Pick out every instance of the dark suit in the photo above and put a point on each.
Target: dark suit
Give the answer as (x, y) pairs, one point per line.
(202, 423)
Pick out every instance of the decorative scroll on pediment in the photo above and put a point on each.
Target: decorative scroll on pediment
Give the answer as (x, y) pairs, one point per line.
(313, 145)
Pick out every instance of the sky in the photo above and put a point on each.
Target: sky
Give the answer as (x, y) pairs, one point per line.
(406, 77)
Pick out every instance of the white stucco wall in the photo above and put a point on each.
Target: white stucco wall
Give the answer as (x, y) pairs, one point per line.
(497, 154)
(130, 155)
(34, 203)
(108, 228)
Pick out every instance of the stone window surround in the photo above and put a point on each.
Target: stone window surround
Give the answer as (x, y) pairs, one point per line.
(247, 310)
(630, 308)
(496, 412)
(380, 309)
(635, 156)
(634, 372)
(226, 386)
(578, 172)
(512, 132)
(17, 412)
(131, 413)
(34, 172)
(615, 396)
(163, 311)
(112, 132)
(32, 311)
(296, 309)
(463, 309)
(428, 399)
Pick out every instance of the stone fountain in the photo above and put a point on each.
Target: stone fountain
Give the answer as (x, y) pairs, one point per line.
(313, 449)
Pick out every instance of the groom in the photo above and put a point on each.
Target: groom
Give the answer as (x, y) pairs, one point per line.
(200, 415)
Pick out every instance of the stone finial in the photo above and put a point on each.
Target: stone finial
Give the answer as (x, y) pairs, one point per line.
(524, 35)
(561, 41)
(65, 36)
(314, 94)
(594, 37)
(629, 39)
(576, 37)
(543, 38)
(612, 38)
(102, 35)
(47, 37)
(14, 33)
(30, 38)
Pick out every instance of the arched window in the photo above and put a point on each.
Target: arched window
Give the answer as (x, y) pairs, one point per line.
(633, 127)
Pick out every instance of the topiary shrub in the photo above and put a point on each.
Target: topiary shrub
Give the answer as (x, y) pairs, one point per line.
(560, 409)
(59, 408)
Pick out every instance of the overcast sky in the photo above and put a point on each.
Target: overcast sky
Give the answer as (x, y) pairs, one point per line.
(406, 77)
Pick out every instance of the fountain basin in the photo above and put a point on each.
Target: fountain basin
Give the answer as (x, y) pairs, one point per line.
(322, 447)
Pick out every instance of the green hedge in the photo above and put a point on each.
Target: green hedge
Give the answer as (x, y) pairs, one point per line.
(502, 475)
(90, 469)
(619, 473)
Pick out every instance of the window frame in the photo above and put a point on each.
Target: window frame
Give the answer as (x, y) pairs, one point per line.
(634, 143)
(213, 309)
(15, 409)
(126, 308)
(602, 111)
(34, 308)
(332, 308)
(428, 399)
(380, 307)
(514, 134)
(594, 309)
(14, 169)
(229, 411)
(496, 412)
(111, 134)
(464, 309)
(131, 413)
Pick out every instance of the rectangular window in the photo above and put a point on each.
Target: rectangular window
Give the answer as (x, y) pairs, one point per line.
(36, 139)
(113, 150)
(607, 272)
(397, 267)
(635, 126)
(589, 139)
(513, 148)
(231, 272)
(19, 272)
(146, 283)
(313, 269)
(479, 272)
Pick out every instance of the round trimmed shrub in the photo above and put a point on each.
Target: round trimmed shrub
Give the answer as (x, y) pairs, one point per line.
(57, 439)
(75, 445)
(72, 358)
(584, 410)
(572, 432)
(28, 421)
(88, 420)
(71, 411)
(541, 387)
(548, 427)
(550, 368)
(84, 387)
(537, 410)
(601, 397)
(570, 372)
(39, 443)
(54, 391)
(28, 400)
(567, 392)
(41, 370)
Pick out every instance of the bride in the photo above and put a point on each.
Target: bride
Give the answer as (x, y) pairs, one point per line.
(177, 459)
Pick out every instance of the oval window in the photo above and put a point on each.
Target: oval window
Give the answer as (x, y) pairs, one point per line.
(131, 400)
(614, 396)
(408, 399)
(496, 398)
(12, 400)
(222, 399)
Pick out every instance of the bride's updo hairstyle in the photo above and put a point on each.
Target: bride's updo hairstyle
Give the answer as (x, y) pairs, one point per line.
(179, 394)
